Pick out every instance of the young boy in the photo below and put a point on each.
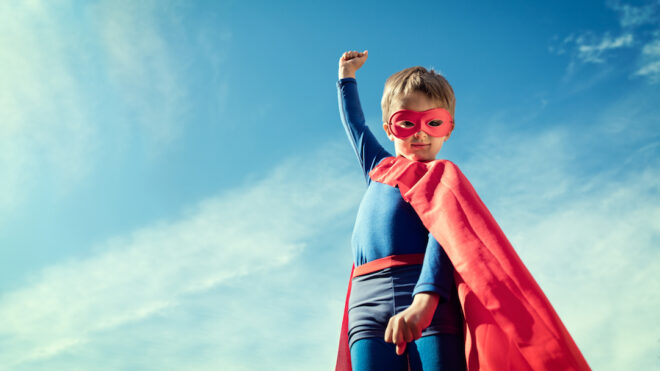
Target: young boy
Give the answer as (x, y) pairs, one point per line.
(386, 225)
(407, 307)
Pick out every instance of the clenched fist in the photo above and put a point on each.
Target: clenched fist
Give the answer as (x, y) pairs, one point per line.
(350, 62)
(407, 325)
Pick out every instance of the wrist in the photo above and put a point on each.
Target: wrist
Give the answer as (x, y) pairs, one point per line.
(426, 299)
(344, 73)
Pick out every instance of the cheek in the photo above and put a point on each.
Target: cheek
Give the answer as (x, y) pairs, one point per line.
(437, 143)
(402, 142)
(400, 145)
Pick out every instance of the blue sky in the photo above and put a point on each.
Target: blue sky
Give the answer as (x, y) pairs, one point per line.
(177, 191)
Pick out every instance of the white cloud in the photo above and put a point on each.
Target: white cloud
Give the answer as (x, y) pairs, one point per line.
(589, 47)
(588, 51)
(147, 74)
(595, 258)
(650, 61)
(45, 131)
(78, 82)
(245, 237)
(633, 16)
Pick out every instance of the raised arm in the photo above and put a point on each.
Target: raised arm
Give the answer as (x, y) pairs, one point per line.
(367, 148)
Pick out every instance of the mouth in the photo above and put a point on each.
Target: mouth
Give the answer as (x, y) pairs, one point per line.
(419, 145)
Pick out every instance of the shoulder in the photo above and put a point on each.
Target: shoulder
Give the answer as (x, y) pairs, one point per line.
(447, 164)
(448, 172)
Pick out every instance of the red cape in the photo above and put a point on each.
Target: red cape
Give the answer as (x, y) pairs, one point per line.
(509, 322)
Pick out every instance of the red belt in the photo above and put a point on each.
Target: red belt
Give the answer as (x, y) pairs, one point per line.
(387, 262)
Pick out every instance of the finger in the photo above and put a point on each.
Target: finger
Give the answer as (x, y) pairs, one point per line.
(400, 348)
(407, 333)
(399, 328)
(410, 331)
(388, 331)
(395, 331)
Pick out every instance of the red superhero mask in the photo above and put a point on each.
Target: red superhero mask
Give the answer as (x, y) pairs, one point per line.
(436, 122)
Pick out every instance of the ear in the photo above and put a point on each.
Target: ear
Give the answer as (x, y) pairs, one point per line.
(387, 130)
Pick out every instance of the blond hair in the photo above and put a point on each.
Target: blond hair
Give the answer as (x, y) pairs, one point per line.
(417, 78)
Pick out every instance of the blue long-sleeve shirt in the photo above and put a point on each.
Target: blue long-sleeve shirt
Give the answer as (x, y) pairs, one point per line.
(386, 224)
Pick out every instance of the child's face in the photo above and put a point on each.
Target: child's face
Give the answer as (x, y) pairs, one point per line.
(419, 146)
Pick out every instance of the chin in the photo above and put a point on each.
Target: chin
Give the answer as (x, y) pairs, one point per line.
(415, 157)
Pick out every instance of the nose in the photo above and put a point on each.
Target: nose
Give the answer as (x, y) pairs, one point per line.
(420, 134)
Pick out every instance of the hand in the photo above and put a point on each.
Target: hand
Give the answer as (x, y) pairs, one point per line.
(350, 62)
(407, 325)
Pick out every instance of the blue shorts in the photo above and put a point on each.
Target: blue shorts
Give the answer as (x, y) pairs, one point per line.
(377, 296)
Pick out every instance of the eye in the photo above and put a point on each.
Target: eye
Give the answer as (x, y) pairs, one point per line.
(435, 123)
(405, 124)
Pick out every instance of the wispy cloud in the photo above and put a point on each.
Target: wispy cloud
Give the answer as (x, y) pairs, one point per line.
(46, 131)
(632, 16)
(147, 74)
(80, 81)
(650, 60)
(593, 52)
(236, 239)
(589, 47)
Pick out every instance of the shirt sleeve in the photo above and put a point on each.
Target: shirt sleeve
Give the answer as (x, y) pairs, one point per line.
(437, 271)
(366, 146)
